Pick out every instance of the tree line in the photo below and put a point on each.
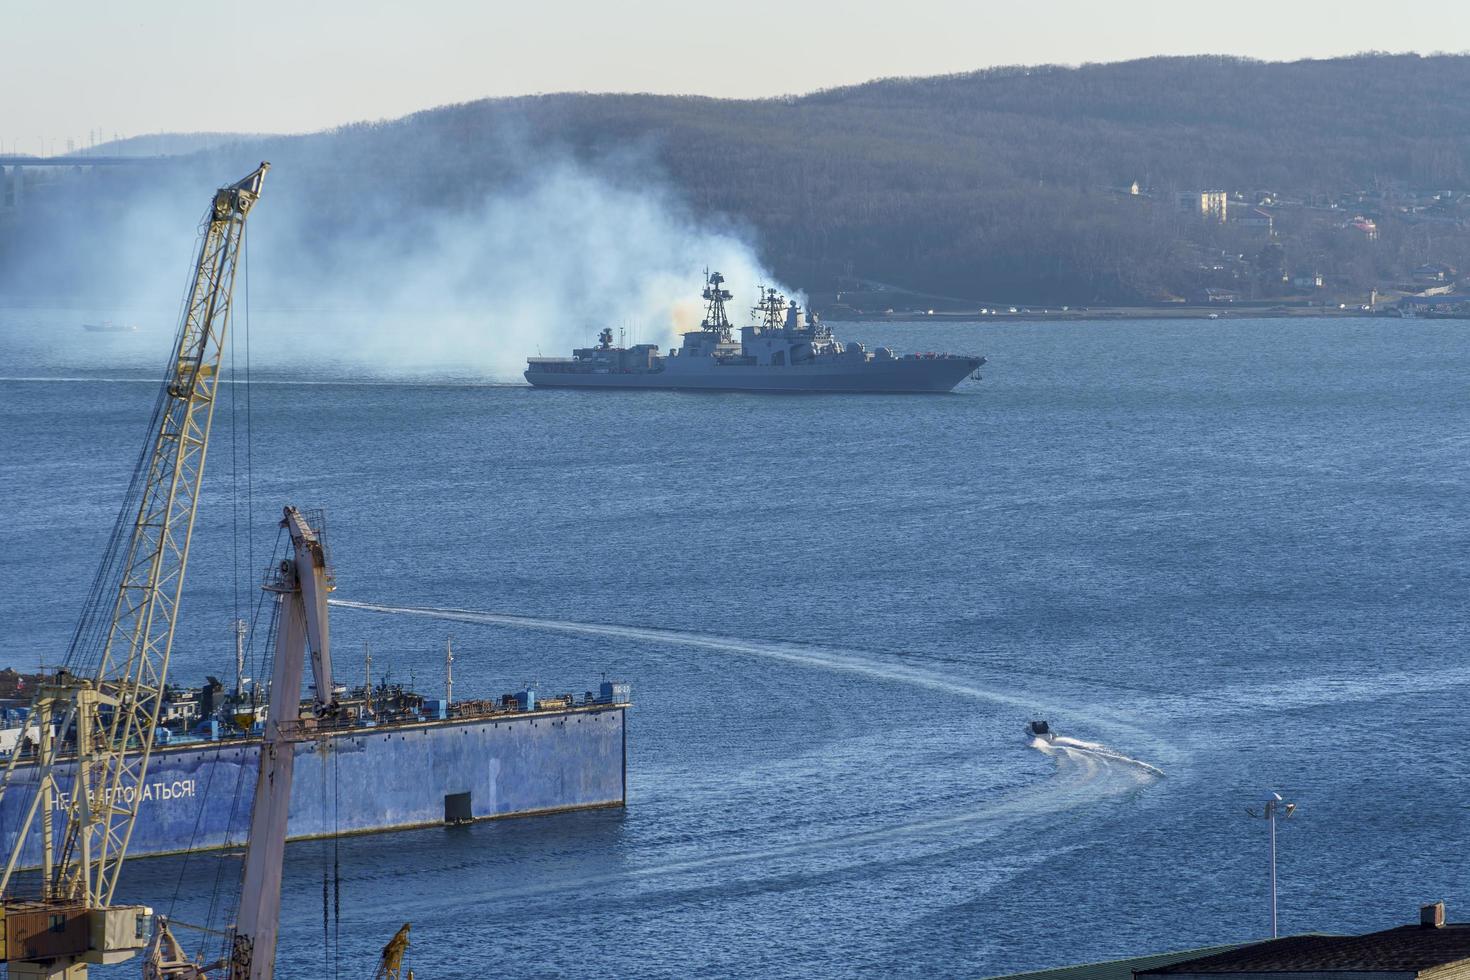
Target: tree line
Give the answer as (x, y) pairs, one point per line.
(998, 184)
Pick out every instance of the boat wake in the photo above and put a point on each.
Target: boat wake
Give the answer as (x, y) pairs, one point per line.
(1087, 771)
(1093, 754)
(1085, 778)
(825, 658)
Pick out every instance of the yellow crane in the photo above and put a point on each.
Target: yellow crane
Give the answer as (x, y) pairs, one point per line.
(96, 720)
(390, 966)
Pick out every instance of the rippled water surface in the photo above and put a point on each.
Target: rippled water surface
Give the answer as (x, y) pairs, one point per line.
(1231, 552)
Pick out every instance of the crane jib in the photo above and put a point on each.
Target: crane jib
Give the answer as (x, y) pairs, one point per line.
(111, 717)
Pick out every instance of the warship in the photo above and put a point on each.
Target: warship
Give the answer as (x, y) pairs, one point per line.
(787, 349)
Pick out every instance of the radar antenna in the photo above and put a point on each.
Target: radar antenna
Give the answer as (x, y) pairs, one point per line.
(715, 296)
(771, 310)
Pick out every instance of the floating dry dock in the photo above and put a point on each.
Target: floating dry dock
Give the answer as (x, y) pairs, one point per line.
(414, 765)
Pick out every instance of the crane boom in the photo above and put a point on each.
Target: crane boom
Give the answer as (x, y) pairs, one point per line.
(136, 655)
(115, 710)
(303, 582)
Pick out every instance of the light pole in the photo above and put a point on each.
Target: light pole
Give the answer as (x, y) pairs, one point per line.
(1275, 806)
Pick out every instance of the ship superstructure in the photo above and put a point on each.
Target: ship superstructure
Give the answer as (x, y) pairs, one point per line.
(786, 349)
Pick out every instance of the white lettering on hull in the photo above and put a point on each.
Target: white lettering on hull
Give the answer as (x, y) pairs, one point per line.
(161, 790)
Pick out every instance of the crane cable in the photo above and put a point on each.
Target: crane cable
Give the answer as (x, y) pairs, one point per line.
(258, 654)
(89, 637)
(219, 899)
(323, 752)
(84, 653)
(241, 770)
(331, 877)
(336, 869)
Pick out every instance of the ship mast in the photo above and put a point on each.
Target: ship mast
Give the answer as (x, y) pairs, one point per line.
(715, 295)
(367, 677)
(241, 628)
(771, 310)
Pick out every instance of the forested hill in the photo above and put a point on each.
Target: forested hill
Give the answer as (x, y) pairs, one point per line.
(1009, 184)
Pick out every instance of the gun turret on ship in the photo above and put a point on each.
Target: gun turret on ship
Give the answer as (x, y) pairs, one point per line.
(786, 349)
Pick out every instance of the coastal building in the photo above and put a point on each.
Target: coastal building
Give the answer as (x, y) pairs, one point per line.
(1430, 950)
(1210, 205)
(1434, 272)
(1214, 205)
(1123, 969)
(1254, 218)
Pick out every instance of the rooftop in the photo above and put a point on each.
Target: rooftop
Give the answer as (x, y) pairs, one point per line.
(1115, 969)
(1405, 949)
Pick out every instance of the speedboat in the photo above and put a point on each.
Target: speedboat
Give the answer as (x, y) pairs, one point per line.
(1038, 728)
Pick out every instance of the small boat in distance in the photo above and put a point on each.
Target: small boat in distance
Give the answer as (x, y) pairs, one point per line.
(107, 326)
(1039, 728)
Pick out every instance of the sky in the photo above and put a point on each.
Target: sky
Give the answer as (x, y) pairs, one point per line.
(72, 69)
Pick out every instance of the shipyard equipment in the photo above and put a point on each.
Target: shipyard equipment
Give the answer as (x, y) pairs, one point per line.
(97, 718)
(301, 584)
(390, 965)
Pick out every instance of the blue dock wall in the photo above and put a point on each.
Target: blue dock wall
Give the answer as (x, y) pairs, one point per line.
(368, 779)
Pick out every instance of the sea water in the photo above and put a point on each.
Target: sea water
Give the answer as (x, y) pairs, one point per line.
(1221, 558)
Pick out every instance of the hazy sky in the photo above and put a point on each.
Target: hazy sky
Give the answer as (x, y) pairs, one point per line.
(68, 67)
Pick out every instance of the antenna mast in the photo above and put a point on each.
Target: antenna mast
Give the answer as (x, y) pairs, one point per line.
(771, 310)
(715, 296)
(1275, 809)
(448, 672)
(241, 628)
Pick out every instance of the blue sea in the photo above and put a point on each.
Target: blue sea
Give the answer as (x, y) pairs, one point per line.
(1222, 558)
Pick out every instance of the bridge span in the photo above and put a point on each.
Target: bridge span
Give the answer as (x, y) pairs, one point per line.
(16, 184)
(79, 160)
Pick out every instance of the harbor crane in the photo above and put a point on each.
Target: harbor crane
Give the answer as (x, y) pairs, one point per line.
(97, 718)
(390, 965)
(301, 583)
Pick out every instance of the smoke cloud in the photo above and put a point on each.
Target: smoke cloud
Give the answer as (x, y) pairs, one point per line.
(378, 276)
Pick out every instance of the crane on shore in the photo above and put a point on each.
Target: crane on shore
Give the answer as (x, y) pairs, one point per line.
(390, 964)
(301, 584)
(97, 716)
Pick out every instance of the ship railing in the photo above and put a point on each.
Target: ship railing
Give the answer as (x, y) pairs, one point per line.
(307, 728)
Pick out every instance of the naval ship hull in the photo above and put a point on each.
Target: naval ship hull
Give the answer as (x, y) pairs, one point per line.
(366, 779)
(900, 376)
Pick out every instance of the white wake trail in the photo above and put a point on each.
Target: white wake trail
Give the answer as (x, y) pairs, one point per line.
(1090, 770)
(845, 660)
(1077, 748)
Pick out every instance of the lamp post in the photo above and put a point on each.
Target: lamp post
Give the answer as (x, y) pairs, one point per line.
(1275, 807)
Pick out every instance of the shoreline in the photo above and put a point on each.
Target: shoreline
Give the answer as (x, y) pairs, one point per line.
(1136, 313)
